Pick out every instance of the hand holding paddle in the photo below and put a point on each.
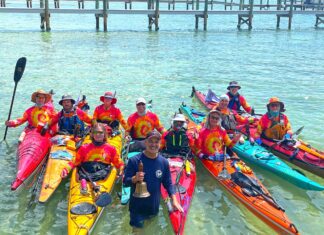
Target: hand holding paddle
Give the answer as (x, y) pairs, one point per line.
(103, 199)
(224, 173)
(19, 71)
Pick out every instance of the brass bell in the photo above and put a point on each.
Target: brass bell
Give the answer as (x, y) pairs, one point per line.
(141, 187)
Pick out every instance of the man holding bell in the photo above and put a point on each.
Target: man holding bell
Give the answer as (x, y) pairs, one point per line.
(145, 201)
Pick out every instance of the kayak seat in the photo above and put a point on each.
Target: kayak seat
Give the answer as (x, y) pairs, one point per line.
(83, 208)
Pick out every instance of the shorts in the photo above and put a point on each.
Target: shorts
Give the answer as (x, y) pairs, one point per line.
(137, 220)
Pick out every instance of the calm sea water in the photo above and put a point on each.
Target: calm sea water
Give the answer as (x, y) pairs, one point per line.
(163, 66)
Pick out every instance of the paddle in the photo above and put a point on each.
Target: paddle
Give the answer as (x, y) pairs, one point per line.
(85, 133)
(19, 70)
(293, 136)
(224, 175)
(35, 189)
(253, 188)
(103, 199)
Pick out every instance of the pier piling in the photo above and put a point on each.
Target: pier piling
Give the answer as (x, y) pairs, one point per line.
(319, 20)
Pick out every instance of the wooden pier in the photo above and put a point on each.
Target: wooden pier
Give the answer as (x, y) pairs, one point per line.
(200, 9)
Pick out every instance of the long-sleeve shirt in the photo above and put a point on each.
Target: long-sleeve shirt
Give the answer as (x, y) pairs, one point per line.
(157, 172)
(140, 126)
(266, 123)
(237, 101)
(108, 115)
(33, 116)
(91, 153)
(211, 141)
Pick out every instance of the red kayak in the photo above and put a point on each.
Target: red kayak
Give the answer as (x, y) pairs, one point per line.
(298, 152)
(183, 175)
(31, 154)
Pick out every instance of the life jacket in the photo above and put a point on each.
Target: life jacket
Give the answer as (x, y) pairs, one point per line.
(228, 121)
(68, 124)
(234, 102)
(113, 124)
(277, 130)
(177, 142)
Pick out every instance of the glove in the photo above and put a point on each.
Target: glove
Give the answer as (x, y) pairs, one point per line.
(64, 173)
(218, 157)
(258, 141)
(287, 136)
(203, 156)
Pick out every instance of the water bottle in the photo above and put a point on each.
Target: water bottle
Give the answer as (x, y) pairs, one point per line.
(83, 186)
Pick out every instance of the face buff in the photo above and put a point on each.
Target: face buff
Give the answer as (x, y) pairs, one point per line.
(274, 113)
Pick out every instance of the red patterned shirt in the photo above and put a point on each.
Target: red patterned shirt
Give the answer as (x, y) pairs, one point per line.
(211, 141)
(33, 116)
(109, 115)
(140, 126)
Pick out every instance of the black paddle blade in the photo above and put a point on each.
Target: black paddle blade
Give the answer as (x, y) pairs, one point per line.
(104, 199)
(299, 131)
(20, 68)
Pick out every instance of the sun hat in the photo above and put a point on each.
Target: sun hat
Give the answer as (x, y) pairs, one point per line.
(233, 84)
(274, 100)
(179, 117)
(66, 97)
(109, 95)
(40, 92)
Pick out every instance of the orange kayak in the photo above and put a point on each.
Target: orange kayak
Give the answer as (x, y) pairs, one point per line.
(62, 151)
(245, 187)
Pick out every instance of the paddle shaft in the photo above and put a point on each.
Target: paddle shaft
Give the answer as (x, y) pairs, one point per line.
(10, 110)
(94, 186)
(19, 71)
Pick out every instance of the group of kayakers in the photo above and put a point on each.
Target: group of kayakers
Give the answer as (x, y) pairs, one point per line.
(216, 136)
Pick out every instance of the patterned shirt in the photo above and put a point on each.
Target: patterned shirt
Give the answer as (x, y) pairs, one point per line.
(140, 126)
(33, 116)
(109, 115)
(211, 141)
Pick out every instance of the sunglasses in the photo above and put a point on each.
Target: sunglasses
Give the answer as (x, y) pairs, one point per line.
(214, 117)
(140, 104)
(98, 132)
(274, 105)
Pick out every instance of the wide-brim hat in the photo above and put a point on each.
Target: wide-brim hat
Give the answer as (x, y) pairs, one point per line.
(233, 84)
(274, 100)
(179, 118)
(66, 97)
(40, 92)
(109, 95)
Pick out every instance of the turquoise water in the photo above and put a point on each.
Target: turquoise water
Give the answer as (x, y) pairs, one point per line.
(163, 66)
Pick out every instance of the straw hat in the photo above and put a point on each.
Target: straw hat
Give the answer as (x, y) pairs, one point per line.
(40, 92)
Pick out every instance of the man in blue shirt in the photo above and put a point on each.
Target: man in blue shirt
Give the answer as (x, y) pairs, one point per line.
(155, 172)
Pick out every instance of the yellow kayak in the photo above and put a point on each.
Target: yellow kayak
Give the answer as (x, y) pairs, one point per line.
(62, 151)
(82, 210)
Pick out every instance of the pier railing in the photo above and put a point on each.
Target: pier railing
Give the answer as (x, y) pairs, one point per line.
(200, 9)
